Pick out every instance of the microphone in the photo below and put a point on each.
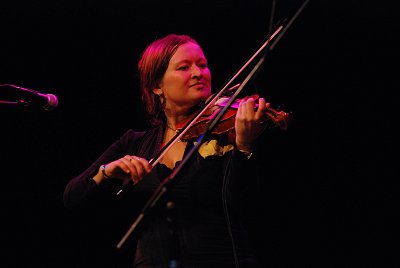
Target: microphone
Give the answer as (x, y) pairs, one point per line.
(47, 101)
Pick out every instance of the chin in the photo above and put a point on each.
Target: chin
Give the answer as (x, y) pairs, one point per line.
(205, 93)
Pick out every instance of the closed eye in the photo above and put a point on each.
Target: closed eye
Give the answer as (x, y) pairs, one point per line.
(183, 68)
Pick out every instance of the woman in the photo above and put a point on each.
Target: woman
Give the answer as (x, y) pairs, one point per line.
(197, 223)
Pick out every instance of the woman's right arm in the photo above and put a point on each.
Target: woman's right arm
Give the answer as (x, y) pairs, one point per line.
(91, 187)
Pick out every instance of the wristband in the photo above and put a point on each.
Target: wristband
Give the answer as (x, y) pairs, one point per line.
(103, 170)
(246, 153)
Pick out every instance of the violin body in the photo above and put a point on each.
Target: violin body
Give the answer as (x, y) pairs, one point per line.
(226, 125)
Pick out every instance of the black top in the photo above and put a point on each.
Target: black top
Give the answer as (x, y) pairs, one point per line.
(196, 222)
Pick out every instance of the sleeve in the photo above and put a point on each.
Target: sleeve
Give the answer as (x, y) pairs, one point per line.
(82, 191)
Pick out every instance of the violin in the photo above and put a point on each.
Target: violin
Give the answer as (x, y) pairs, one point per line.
(226, 124)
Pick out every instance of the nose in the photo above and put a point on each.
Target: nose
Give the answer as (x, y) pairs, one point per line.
(196, 71)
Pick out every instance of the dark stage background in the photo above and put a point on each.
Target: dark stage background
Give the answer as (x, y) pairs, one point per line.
(330, 195)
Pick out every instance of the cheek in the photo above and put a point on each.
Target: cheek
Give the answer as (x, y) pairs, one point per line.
(176, 86)
(208, 75)
(179, 79)
(172, 83)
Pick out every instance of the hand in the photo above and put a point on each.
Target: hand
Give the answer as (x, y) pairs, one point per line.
(249, 124)
(128, 167)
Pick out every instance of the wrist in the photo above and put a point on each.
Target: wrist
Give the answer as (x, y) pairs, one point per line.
(247, 154)
(247, 151)
(244, 147)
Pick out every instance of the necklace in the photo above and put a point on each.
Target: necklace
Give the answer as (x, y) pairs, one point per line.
(173, 129)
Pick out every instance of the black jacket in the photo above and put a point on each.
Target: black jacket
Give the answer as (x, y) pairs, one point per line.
(204, 227)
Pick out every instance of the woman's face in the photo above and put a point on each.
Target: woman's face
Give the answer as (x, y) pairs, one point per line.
(187, 79)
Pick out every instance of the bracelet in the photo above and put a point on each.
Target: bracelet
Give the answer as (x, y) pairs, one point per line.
(246, 153)
(103, 170)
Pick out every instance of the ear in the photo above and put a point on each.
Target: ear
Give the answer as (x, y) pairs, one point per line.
(157, 91)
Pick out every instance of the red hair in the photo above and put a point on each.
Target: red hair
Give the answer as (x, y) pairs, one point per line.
(152, 66)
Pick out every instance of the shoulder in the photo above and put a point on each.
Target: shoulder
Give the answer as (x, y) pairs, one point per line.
(131, 136)
(134, 134)
(142, 143)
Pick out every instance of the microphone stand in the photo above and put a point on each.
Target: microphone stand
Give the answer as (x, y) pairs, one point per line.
(7, 102)
(10, 102)
(163, 187)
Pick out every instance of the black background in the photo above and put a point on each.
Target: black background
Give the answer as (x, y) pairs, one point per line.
(330, 192)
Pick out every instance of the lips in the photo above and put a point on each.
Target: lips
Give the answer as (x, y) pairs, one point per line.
(198, 84)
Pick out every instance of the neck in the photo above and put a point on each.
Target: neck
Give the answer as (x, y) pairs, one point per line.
(173, 123)
(171, 128)
(175, 119)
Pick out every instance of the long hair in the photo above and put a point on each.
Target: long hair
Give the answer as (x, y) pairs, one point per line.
(152, 66)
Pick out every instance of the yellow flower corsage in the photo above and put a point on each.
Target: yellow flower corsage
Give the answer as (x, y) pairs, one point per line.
(212, 147)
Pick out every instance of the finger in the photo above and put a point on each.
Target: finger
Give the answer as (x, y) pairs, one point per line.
(141, 162)
(249, 108)
(261, 109)
(141, 166)
(137, 173)
(126, 166)
(138, 167)
(240, 109)
(241, 114)
(146, 166)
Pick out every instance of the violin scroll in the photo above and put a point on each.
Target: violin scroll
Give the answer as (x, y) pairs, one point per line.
(279, 118)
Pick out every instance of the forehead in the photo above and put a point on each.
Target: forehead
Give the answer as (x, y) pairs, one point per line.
(189, 51)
